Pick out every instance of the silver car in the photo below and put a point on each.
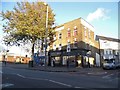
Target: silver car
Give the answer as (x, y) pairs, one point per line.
(109, 64)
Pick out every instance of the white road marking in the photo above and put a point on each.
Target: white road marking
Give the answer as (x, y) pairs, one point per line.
(105, 72)
(85, 88)
(98, 73)
(107, 76)
(46, 80)
(78, 87)
(1, 72)
(60, 83)
(6, 85)
(21, 76)
(114, 79)
(35, 78)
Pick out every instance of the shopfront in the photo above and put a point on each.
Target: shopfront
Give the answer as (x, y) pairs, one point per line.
(75, 57)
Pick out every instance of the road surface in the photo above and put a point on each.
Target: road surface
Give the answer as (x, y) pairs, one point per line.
(23, 78)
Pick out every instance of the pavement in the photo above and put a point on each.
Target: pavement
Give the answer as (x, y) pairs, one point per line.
(54, 69)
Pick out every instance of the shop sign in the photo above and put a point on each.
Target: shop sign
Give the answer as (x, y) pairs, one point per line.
(55, 53)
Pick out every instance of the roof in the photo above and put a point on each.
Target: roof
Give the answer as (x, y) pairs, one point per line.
(107, 38)
(83, 21)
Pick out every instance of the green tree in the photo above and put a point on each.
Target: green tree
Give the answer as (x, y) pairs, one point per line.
(27, 23)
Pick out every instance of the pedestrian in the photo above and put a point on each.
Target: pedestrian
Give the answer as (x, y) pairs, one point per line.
(76, 63)
(89, 64)
(53, 62)
(67, 63)
(4, 60)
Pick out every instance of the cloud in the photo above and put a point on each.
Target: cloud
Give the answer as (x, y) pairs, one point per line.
(100, 13)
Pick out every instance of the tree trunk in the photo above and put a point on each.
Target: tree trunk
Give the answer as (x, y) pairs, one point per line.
(42, 45)
(33, 52)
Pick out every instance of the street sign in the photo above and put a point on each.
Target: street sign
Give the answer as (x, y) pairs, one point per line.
(68, 48)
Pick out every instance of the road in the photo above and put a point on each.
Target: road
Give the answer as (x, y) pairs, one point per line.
(22, 78)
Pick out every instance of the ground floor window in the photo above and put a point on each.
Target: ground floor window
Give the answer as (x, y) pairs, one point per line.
(57, 60)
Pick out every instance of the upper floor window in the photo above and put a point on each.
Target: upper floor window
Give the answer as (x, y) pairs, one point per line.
(54, 47)
(106, 52)
(54, 37)
(110, 51)
(85, 32)
(60, 35)
(75, 43)
(60, 46)
(68, 32)
(85, 27)
(68, 46)
(89, 34)
(116, 52)
(75, 31)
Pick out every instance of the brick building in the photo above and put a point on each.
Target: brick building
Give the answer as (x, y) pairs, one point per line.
(72, 42)
(11, 58)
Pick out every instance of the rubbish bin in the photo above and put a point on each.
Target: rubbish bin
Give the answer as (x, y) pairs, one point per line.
(30, 63)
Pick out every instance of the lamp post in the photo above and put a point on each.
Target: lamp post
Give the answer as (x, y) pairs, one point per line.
(46, 33)
(88, 54)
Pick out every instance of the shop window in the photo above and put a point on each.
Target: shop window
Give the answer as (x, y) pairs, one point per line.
(85, 45)
(75, 44)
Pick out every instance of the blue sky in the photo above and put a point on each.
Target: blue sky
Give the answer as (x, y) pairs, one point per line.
(102, 15)
(106, 13)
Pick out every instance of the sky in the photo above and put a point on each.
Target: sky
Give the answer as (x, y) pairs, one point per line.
(102, 15)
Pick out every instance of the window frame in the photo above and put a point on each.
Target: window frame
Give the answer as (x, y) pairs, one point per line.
(68, 32)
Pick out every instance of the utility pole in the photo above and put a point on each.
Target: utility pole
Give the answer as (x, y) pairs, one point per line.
(46, 34)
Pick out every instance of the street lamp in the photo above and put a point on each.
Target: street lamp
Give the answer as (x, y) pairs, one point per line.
(46, 33)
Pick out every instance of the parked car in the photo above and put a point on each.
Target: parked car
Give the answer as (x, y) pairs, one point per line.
(109, 64)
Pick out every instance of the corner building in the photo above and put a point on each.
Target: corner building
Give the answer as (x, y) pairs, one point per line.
(72, 42)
